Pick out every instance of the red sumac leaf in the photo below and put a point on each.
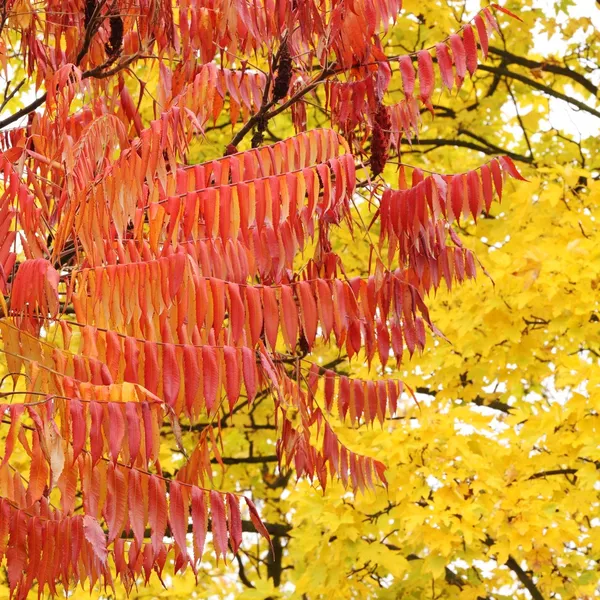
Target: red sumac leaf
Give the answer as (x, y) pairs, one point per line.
(235, 522)
(497, 177)
(116, 429)
(96, 440)
(199, 521)
(78, 427)
(236, 312)
(483, 35)
(191, 378)
(210, 372)
(271, 315)
(131, 360)
(506, 12)
(470, 48)
(491, 19)
(218, 523)
(178, 515)
(255, 313)
(457, 196)
(325, 306)
(137, 504)
(257, 522)
(232, 375)
(157, 511)
(96, 538)
(426, 76)
(486, 185)
(408, 75)
(444, 65)
(290, 317)
(151, 368)
(509, 166)
(474, 193)
(460, 57)
(249, 370)
(170, 374)
(309, 312)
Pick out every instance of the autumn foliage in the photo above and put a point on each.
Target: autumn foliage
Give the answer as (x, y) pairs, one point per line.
(147, 295)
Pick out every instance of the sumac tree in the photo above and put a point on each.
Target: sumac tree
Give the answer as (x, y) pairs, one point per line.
(149, 295)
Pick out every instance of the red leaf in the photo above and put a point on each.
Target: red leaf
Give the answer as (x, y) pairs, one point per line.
(271, 315)
(290, 317)
(191, 377)
(445, 64)
(426, 77)
(232, 375)
(235, 522)
(483, 35)
(35, 293)
(113, 353)
(486, 184)
(151, 368)
(131, 360)
(236, 312)
(309, 312)
(171, 377)
(474, 193)
(16, 555)
(4, 526)
(218, 526)
(116, 429)
(460, 57)
(470, 264)
(470, 48)
(408, 75)
(96, 440)
(257, 522)
(491, 19)
(134, 429)
(255, 313)
(249, 369)
(137, 505)
(116, 507)
(38, 471)
(157, 511)
(96, 538)
(497, 176)
(210, 372)
(178, 515)
(325, 307)
(509, 166)
(199, 521)
(506, 11)
(457, 195)
(78, 427)
(15, 414)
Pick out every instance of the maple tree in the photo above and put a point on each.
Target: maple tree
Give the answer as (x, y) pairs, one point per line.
(160, 309)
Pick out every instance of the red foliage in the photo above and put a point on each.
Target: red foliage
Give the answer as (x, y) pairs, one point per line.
(183, 278)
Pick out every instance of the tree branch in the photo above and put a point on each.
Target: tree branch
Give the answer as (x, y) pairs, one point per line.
(547, 67)
(524, 578)
(264, 113)
(23, 112)
(542, 88)
(274, 529)
(543, 474)
(228, 460)
(242, 572)
(516, 105)
(472, 146)
(95, 73)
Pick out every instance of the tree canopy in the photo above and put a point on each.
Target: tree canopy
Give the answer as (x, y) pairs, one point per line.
(243, 349)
